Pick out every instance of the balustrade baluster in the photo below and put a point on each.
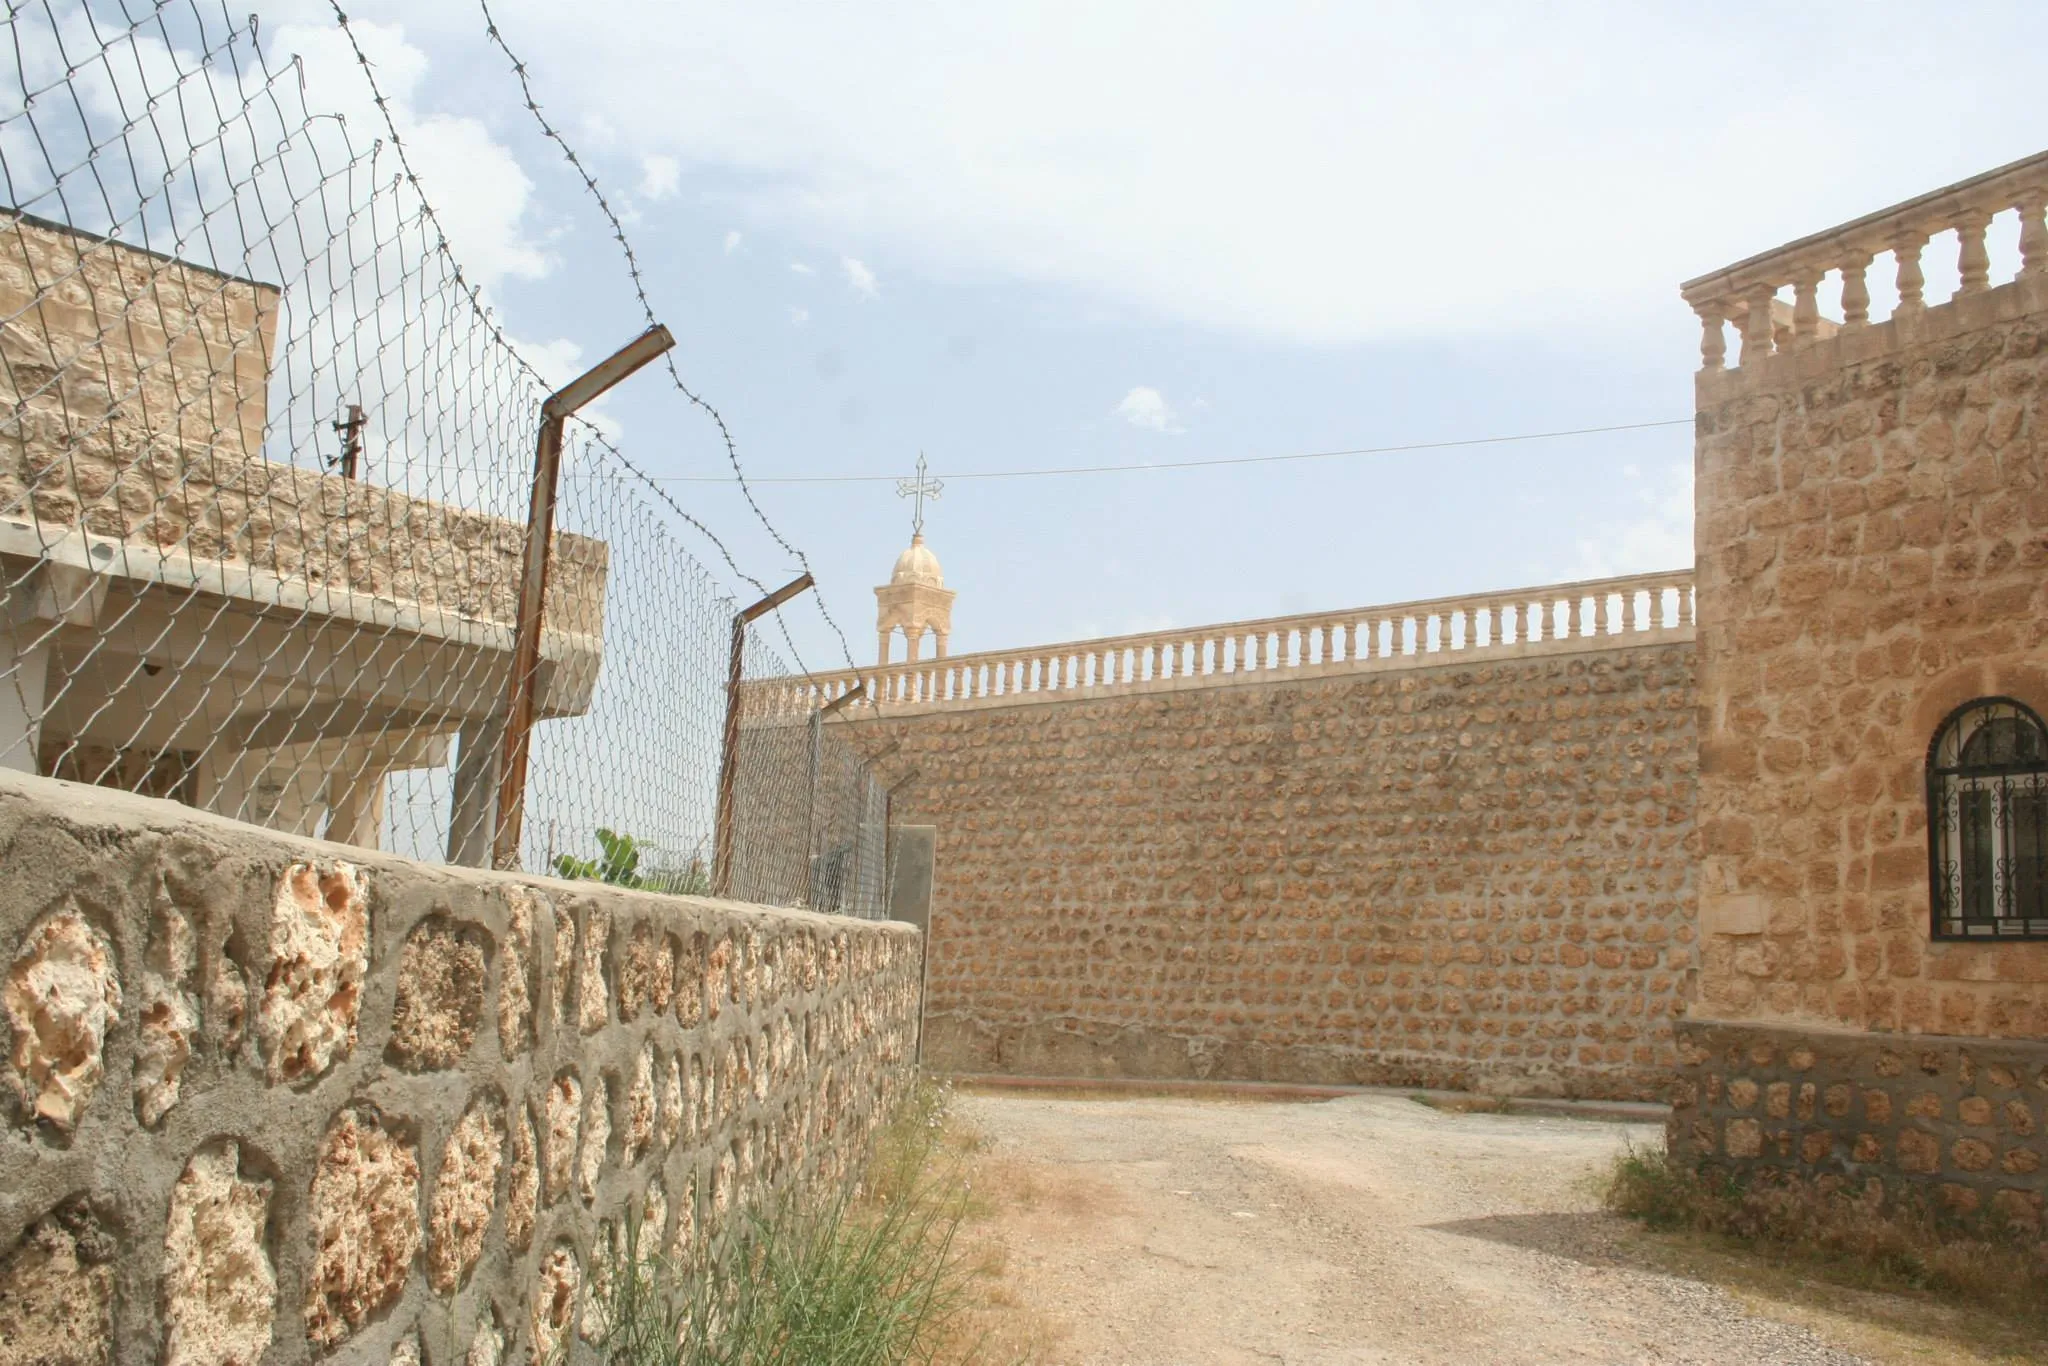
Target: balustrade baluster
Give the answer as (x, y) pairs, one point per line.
(1630, 620)
(1603, 614)
(1973, 262)
(2033, 207)
(1685, 606)
(1758, 339)
(1805, 309)
(1912, 281)
(1855, 293)
(1713, 336)
(1573, 626)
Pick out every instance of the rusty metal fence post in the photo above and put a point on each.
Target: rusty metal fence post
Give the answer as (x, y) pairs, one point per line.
(533, 583)
(817, 729)
(728, 763)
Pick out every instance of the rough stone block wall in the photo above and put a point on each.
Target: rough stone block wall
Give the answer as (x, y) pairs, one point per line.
(1873, 552)
(1474, 875)
(1965, 1117)
(269, 1099)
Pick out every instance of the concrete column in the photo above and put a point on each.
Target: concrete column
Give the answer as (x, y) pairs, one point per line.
(356, 805)
(882, 654)
(475, 818)
(23, 676)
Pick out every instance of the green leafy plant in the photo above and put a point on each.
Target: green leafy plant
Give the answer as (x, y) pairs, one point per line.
(618, 863)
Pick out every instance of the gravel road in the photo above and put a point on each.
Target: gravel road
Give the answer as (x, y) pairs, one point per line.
(1371, 1229)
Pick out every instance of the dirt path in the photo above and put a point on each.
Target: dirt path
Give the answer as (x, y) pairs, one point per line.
(1371, 1229)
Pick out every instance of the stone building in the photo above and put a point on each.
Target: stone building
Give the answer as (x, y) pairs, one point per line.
(188, 619)
(1873, 673)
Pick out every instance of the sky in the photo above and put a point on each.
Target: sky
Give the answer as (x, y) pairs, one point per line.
(1039, 235)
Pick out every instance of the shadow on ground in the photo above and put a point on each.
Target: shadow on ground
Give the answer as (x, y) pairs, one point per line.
(1587, 1236)
(1796, 1290)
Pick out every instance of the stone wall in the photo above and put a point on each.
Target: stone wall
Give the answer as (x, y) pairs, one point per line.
(270, 1098)
(1962, 1116)
(1475, 874)
(1873, 552)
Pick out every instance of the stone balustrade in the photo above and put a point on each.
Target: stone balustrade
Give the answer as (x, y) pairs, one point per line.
(1592, 614)
(1747, 294)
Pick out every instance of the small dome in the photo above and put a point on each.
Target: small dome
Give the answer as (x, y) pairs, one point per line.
(918, 565)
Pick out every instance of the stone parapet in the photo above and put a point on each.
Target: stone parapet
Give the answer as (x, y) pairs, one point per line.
(272, 1098)
(1518, 623)
(1962, 1119)
(1781, 341)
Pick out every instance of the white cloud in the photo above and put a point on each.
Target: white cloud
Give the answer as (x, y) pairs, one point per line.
(800, 268)
(1659, 537)
(799, 316)
(1146, 407)
(1558, 164)
(478, 189)
(732, 241)
(860, 277)
(660, 177)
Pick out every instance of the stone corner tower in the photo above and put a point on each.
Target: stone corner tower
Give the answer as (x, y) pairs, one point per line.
(915, 600)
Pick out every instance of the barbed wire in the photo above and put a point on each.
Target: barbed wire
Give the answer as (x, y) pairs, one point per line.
(639, 284)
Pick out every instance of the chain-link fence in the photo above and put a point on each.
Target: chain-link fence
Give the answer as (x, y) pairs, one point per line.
(266, 463)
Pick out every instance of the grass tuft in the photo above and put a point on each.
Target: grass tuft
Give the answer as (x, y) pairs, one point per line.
(1841, 1231)
(871, 1275)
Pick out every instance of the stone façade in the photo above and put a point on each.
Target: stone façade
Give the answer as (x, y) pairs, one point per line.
(1872, 504)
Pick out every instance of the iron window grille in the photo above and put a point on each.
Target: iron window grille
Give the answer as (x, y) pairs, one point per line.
(1987, 822)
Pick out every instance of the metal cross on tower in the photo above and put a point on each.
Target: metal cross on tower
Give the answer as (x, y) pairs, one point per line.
(920, 488)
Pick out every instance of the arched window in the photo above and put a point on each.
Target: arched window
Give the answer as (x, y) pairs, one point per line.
(1987, 822)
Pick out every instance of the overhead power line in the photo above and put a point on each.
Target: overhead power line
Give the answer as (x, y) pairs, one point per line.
(1181, 464)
